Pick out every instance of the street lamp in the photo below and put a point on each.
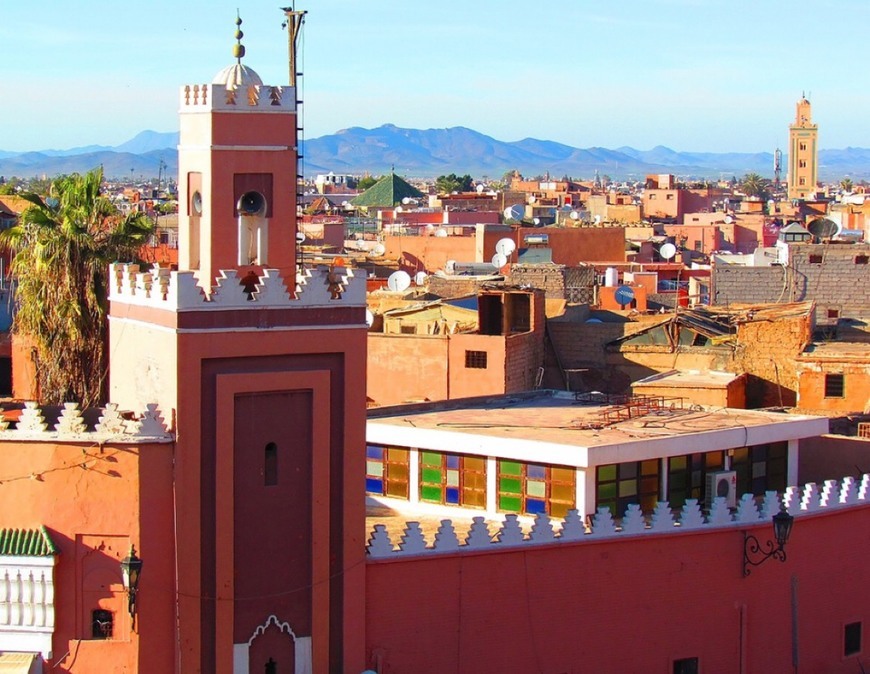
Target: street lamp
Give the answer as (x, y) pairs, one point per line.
(131, 567)
(753, 555)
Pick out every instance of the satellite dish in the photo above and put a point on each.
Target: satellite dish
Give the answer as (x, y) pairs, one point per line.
(499, 260)
(574, 215)
(505, 247)
(728, 219)
(406, 200)
(360, 244)
(450, 266)
(300, 237)
(480, 188)
(399, 281)
(515, 212)
(399, 209)
(537, 221)
(532, 199)
(370, 318)
(623, 295)
(667, 251)
(378, 250)
(441, 233)
(597, 219)
(420, 278)
(822, 228)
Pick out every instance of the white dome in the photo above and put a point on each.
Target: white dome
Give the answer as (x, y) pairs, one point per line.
(237, 75)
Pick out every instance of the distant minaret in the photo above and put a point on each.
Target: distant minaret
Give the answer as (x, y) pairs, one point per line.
(777, 167)
(803, 153)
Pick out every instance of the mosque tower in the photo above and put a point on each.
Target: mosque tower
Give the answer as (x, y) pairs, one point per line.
(260, 369)
(803, 161)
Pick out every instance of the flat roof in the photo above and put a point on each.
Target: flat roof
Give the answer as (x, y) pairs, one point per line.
(689, 379)
(561, 428)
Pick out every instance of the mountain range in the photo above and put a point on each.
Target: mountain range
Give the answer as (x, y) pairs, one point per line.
(433, 152)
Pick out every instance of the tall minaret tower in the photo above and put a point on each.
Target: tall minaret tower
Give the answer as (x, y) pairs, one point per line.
(261, 370)
(803, 160)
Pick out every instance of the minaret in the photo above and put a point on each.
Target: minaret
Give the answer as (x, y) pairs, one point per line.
(802, 153)
(261, 370)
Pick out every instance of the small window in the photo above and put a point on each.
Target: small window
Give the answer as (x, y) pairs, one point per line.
(102, 622)
(852, 639)
(803, 146)
(670, 197)
(802, 181)
(833, 313)
(270, 467)
(835, 385)
(815, 259)
(686, 666)
(802, 163)
(271, 667)
(861, 259)
(652, 196)
(475, 359)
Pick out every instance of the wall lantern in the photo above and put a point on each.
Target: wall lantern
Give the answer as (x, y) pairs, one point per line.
(753, 555)
(131, 567)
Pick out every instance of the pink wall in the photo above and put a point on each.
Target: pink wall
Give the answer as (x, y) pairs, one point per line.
(632, 605)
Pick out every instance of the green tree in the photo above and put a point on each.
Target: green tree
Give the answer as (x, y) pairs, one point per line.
(62, 247)
(753, 185)
(365, 182)
(454, 183)
(846, 184)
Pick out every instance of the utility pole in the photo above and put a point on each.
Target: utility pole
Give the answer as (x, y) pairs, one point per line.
(293, 23)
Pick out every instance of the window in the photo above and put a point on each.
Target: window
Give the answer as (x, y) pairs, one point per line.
(833, 313)
(271, 667)
(699, 246)
(760, 468)
(453, 479)
(270, 467)
(686, 666)
(835, 385)
(687, 475)
(802, 146)
(802, 163)
(802, 181)
(533, 488)
(102, 622)
(652, 196)
(861, 259)
(852, 639)
(815, 259)
(387, 470)
(670, 197)
(618, 485)
(475, 359)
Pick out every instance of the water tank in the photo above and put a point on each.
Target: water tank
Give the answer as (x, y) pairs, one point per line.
(611, 277)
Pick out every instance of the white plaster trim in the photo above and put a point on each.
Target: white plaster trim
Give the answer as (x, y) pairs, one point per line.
(236, 148)
(302, 648)
(191, 331)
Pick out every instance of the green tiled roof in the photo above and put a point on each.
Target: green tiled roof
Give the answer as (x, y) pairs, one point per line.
(387, 192)
(26, 543)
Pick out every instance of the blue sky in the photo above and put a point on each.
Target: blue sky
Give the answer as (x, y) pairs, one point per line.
(694, 75)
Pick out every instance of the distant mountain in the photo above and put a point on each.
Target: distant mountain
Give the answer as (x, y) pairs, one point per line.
(433, 152)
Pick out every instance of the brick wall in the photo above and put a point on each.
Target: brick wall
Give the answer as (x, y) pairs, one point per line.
(558, 281)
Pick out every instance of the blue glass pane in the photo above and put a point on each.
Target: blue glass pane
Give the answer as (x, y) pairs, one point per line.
(535, 506)
(452, 461)
(374, 452)
(374, 486)
(536, 471)
(451, 495)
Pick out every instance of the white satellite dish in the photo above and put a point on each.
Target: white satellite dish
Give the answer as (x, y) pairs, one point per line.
(480, 188)
(420, 278)
(574, 215)
(505, 247)
(537, 221)
(667, 251)
(728, 219)
(360, 244)
(300, 237)
(441, 233)
(399, 281)
(406, 200)
(499, 260)
(378, 250)
(370, 318)
(515, 212)
(450, 266)
(532, 199)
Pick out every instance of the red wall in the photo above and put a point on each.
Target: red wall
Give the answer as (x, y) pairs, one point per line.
(626, 605)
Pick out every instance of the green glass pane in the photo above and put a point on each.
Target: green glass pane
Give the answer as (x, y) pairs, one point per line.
(430, 459)
(431, 476)
(536, 488)
(607, 491)
(627, 488)
(509, 485)
(509, 503)
(677, 463)
(510, 468)
(607, 473)
(374, 468)
(428, 493)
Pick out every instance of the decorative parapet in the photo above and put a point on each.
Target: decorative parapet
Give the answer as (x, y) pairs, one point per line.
(834, 494)
(27, 610)
(70, 423)
(262, 98)
(161, 288)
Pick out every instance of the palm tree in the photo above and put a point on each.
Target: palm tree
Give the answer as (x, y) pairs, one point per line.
(753, 185)
(62, 247)
(846, 184)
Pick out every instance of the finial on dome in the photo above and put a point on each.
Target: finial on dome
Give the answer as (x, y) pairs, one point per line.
(238, 48)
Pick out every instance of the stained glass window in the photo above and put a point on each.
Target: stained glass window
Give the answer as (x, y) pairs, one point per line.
(453, 479)
(387, 471)
(532, 489)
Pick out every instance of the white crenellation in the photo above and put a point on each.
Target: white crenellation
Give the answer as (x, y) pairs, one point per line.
(604, 526)
(829, 493)
(320, 286)
(71, 425)
(792, 501)
(262, 98)
(810, 498)
(633, 522)
(412, 539)
(511, 533)
(849, 491)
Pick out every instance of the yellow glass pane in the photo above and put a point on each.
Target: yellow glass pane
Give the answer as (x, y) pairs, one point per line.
(397, 455)
(562, 492)
(473, 498)
(474, 463)
(398, 472)
(562, 474)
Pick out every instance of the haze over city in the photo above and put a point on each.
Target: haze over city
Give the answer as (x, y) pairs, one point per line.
(690, 75)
